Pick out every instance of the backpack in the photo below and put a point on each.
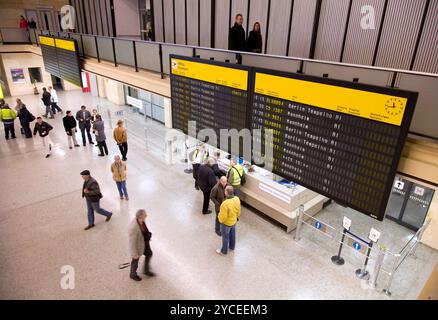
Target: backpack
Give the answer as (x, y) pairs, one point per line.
(31, 117)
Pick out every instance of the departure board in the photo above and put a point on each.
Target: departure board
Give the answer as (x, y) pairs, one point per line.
(340, 139)
(213, 94)
(61, 58)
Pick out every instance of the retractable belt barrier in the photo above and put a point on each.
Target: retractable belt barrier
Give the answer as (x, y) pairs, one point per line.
(362, 247)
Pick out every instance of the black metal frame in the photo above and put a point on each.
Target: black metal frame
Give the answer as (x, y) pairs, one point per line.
(412, 99)
(289, 33)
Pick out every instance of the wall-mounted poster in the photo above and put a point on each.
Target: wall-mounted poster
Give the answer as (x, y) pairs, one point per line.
(18, 76)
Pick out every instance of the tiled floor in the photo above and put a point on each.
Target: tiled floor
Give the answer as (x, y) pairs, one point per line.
(42, 216)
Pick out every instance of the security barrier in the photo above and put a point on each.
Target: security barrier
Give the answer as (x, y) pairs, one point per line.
(365, 249)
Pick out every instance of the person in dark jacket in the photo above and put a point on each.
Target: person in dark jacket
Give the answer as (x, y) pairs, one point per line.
(47, 100)
(70, 128)
(99, 131)
(84, 118)
(254, 42)
(206, 182)
(236, 37)
(217, 195)
(43, 129)
(25, 119)
(91, 193)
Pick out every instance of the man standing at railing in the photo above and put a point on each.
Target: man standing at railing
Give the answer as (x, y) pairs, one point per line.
(237, 37)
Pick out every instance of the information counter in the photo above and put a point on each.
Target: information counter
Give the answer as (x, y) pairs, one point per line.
(276, 198)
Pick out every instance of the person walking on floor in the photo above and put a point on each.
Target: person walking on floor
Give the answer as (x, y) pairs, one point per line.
(121, 138)
(47, 101)
(139, 244)
(217, 195)
(206, 182)
(91, 193)
(43, 129)
(54, 101)
(70, 128)
(84, 118)
(235, 175)
(99, 131)
(118, 168)
(8, 116)
(229, 214)
(26, 117)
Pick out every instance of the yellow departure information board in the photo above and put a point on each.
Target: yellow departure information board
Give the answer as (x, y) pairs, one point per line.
(340, 139)
(224, 76)
(61, 58)
(365, 104)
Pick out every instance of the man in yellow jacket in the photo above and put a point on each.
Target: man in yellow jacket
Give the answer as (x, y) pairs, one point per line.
(228, 216)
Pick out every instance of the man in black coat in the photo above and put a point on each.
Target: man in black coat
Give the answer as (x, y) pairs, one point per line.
(47, 100)
(70, 128)
(237, 38)
(25, 119)
(206, 182)
(84, 118)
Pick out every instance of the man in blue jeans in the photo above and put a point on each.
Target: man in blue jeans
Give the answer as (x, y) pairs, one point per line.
(91, 192)
(229, 214)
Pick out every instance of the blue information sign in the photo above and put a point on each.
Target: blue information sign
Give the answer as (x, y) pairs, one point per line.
(357, 246)
(318, 225)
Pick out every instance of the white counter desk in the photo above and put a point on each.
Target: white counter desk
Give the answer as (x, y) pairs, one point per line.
(278, 201)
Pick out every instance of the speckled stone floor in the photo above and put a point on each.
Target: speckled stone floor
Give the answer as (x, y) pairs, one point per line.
(42, 216)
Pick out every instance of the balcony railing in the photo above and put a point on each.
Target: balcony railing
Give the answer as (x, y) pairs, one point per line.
(154, 56)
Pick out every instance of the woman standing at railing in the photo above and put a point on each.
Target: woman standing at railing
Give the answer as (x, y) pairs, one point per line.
(254, 42)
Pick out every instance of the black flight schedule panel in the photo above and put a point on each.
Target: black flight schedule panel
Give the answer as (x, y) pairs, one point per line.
(340, 139)
(213, 94)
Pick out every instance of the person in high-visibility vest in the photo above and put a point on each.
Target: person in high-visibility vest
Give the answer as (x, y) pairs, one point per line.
(234, 176)
(7, 116)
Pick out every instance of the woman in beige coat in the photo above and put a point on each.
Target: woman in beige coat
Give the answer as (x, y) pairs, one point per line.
(118, 168)
(139, 237)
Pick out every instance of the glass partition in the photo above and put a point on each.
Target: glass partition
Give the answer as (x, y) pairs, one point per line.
(89, 46)
(148, 56)
(280, 64)
(77, 37)
(124, 52)
(217, 55)
(425, 115)
(105, 46)
(347, 73)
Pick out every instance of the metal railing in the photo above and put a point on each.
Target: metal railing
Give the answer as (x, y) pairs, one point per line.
(154, 56)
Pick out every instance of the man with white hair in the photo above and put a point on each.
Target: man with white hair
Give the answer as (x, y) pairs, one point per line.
(139, 238)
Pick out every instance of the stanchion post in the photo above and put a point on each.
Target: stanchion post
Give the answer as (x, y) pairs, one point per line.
(188, 170)
(363, 273)
(146, 138)
(338, 260)
(109, 119)
(126, 123)
(299, 223)
(391, 276)
(169, 151)
(378, 266)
